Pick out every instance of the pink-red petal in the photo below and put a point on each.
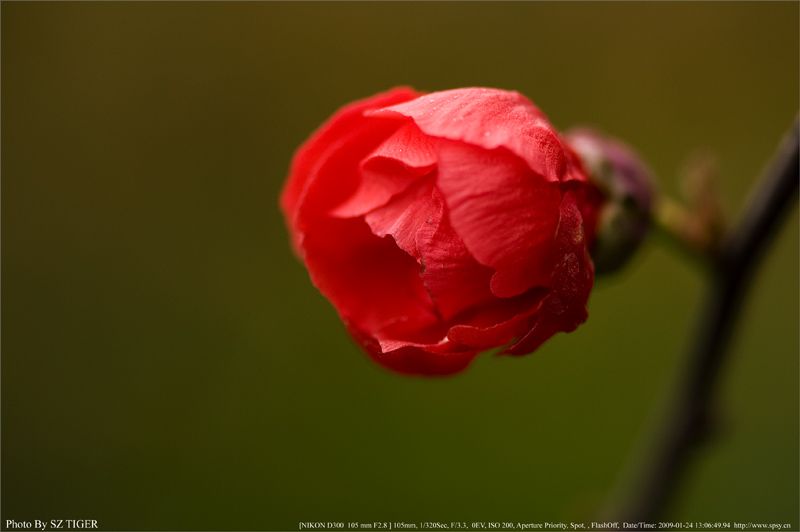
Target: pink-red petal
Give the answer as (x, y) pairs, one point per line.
(489, 118)
(392, 167)
(418, 222)
(413, 360)
(486, 326)
(335, 140)
(405, 215)
(369, 280)
(454, 279)
(565, 307)
(505, 213)
(409, 146)
(498, 324)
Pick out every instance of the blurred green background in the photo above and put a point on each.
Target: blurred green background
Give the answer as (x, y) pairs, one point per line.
(166, 363)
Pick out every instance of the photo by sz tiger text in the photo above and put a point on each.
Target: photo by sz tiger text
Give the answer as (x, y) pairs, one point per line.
(52, 524)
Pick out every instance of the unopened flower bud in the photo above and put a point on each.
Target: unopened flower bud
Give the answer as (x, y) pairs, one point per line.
(628, 190)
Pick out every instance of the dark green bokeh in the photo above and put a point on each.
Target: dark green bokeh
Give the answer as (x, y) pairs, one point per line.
(166, 363)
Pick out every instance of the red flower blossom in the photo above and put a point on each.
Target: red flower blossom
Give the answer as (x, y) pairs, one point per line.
(442, 225)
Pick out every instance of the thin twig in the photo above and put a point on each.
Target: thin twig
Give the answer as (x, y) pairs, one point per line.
(688, 424)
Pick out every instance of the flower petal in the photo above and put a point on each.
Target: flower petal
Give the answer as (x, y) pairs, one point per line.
(394, 165)
(369, 280)
(489, 118)
(505, 213)
(565, 307)
(339, 145)
(497, 324)
(409, 146)
(454, 279)
(419, 224)
(412, 360)
(405, 215)
(493, 324)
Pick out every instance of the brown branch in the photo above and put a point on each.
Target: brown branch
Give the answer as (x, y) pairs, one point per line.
(688, 421)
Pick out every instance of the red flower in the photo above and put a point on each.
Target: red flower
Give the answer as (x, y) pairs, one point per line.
(443, 225)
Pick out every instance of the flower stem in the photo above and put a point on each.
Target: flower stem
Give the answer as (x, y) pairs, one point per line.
(689, 419)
